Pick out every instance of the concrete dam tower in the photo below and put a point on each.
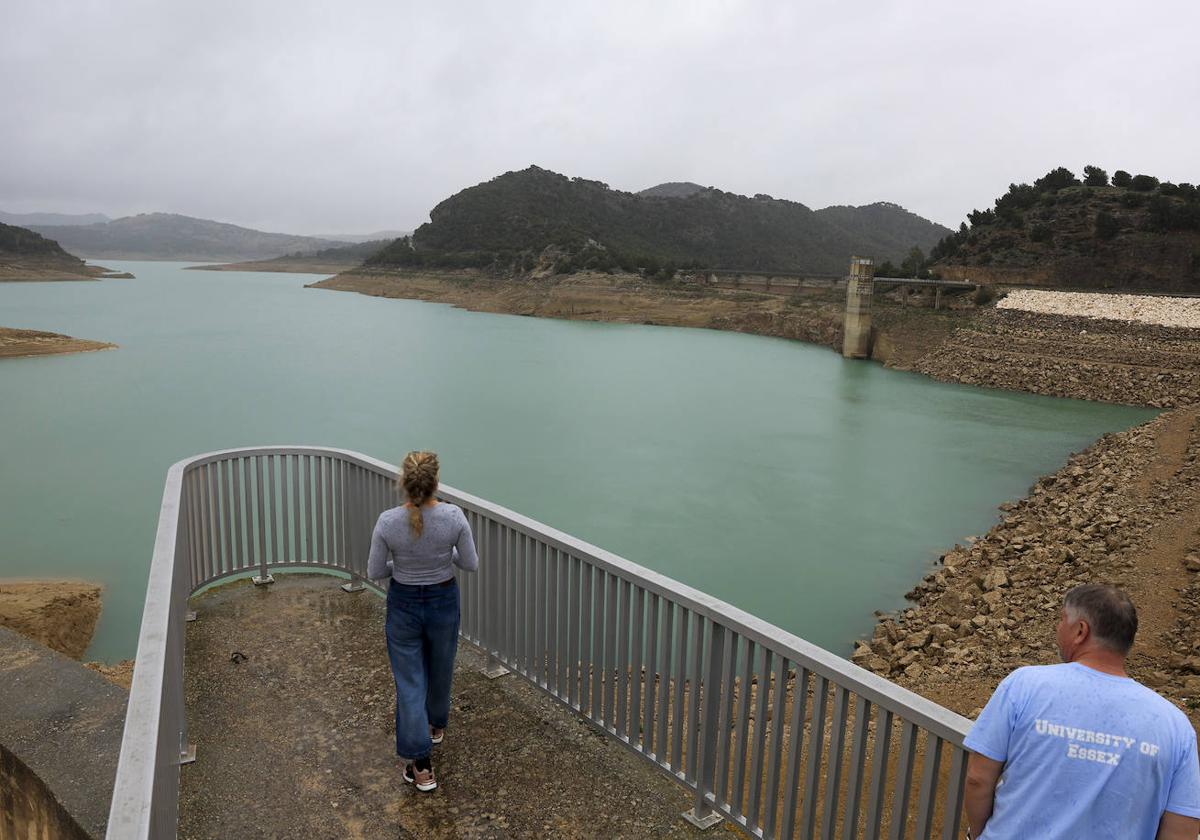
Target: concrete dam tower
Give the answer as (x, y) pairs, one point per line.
(856, 339)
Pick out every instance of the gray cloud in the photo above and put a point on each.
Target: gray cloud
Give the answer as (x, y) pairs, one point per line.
(311, 117)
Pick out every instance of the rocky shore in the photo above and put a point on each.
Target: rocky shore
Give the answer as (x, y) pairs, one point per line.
(1083, 358)
(1125, 511)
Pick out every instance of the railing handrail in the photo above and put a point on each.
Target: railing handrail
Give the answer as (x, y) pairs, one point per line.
(919, 710)
(144, 755)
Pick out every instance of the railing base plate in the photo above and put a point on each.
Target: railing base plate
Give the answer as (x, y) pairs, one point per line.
(494, 670)
(354, 586)
(259, 580)
(187, 756)
(702, 823)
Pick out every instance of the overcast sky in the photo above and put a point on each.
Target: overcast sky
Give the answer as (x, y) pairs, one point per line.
(356, 116)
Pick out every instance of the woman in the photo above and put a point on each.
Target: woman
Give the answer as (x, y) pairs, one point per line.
(419, 542)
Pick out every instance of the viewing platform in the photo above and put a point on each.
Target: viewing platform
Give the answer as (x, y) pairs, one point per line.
(593, 697)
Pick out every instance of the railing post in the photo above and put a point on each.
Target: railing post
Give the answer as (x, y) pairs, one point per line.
(702, 815)
(263, 577)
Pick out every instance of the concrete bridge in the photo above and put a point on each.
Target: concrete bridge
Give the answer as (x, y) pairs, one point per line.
(861, 286)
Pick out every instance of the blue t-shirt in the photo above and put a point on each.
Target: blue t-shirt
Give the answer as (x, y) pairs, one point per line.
(1086, 754)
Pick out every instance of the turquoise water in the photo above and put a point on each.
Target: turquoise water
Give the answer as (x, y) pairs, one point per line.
(804, 488)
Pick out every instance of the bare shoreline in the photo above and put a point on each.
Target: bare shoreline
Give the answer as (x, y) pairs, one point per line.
(16, 343)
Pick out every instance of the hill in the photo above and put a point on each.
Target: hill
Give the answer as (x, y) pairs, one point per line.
(672, 189)
(325, 261)
(33, 219)
(27, 255)
(387, 235)
(1134, 232)
(506, 223)
(167, 236)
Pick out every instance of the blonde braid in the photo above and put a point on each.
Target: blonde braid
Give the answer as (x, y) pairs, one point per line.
(419, 479)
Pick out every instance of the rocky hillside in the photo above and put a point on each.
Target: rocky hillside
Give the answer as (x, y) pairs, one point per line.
(27, 255)
(167, 236)
(509, 222)
(1131, 232)
(19, 242)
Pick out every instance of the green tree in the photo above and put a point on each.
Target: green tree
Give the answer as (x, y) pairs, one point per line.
(1122, 179)
(1055, 180)
(1144, 183)
(913, 263)
(1094, 176)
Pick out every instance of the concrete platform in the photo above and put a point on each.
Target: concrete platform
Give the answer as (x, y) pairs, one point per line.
(298, 739)
(60, 735)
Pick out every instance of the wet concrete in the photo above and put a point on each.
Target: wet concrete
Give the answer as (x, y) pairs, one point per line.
(298, 738)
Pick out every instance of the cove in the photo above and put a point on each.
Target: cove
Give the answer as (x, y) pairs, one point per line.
(802, 487)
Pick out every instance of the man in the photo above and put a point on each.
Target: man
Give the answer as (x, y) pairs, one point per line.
(1080, 750)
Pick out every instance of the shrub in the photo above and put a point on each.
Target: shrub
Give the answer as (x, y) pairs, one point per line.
(1094, 176)
(1144, 183)
(1121, 178)
(1041, 232)
(1106, 225)
(1055, 180)
(984, 294)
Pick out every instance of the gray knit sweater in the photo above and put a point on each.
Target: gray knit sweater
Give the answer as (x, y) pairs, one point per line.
(445, 541)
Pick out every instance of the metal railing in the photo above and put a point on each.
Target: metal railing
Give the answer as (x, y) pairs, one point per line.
(768, 731)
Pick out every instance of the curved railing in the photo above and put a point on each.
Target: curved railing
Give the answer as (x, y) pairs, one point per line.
(771, 732)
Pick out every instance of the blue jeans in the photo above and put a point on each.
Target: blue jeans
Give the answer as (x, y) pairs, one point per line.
(422, 639)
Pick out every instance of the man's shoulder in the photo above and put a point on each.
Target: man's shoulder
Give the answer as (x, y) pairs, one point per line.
(1038, 675)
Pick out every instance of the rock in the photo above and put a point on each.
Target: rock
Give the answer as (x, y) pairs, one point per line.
(995, 579)
(913, 671)
(941, 632)
(861, 652)
(1191, 687)
(1192, 563)
(918, 640)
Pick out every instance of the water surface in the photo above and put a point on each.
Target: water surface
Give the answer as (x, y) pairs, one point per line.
(802, 487)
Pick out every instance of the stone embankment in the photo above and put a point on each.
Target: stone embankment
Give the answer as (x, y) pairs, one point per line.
(1142, 309)
(1083, 358)
(1124, 511)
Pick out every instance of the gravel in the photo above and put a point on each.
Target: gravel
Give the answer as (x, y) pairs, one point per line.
(1144, 309)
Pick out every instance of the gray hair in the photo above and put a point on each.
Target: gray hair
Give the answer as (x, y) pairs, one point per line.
(1109, 613)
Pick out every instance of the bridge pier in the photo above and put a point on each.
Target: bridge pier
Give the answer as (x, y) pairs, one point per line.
(856, 338)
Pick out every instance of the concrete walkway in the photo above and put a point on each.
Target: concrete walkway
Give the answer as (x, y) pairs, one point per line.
(297, 739)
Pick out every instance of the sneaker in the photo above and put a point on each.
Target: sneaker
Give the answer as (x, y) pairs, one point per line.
(437, 735)
(423, 779)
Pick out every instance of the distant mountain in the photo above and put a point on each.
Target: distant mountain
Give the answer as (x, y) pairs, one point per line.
(167, 236)
(1133, 233)
(34, 219)
(507, 222)
(363, 237)
(672, 189)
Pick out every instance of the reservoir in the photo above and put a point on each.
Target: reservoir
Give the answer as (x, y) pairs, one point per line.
(804, 488)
